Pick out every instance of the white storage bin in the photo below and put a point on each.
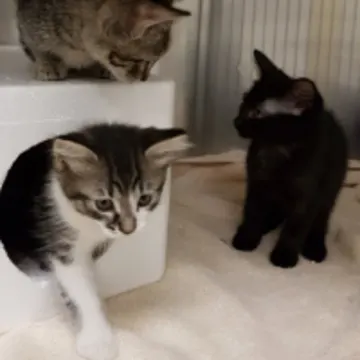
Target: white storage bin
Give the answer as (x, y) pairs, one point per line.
(31, 111)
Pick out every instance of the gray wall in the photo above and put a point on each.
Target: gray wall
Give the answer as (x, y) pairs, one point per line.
(7, 24)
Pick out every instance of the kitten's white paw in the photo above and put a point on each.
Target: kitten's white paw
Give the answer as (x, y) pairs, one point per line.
(97, 344)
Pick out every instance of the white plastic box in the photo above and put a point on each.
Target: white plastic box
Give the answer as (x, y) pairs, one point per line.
(31, 111)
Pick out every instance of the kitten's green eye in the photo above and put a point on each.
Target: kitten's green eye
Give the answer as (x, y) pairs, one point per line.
(104, 204)
(144, 200)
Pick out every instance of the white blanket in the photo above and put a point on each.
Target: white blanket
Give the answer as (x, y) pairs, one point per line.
(217, 304)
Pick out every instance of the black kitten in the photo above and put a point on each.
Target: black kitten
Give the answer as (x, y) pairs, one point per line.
(296, 165)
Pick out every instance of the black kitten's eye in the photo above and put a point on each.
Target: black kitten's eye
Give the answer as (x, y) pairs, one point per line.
(104, 204)
(144, 200)
(255, 113)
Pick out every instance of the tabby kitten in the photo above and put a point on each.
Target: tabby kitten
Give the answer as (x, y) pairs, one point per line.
(296, 165)
(121, 39)
(66, 199)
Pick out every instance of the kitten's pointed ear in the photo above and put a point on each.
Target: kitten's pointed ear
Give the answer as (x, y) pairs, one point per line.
(303, 93)
(69, 155)
(163, 147)
(264, 64)
(150, 13)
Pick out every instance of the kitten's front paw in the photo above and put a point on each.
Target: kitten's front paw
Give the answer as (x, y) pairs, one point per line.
(97, 344)
(50, 72)
(314, 252)
(243, 242)
(284, 258)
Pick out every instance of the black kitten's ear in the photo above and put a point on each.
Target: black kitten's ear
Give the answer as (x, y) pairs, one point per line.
(303, 93)
(265, 65)
(164, 146)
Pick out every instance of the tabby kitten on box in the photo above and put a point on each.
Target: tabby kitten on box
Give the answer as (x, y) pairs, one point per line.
(65, 200)
(121, 39)
(296, 165)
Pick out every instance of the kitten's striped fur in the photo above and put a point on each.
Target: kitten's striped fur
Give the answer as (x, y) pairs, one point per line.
(65, 200)
(120, 39)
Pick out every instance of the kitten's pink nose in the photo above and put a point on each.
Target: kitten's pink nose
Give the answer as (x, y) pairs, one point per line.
(128, 225)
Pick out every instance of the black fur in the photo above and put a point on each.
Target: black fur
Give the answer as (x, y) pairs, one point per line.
(296, 165)
(22, 187)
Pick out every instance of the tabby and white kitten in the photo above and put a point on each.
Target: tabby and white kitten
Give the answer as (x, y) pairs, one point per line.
(66, 199)
(121, 39)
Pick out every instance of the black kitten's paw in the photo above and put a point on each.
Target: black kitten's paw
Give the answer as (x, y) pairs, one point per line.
(243, 242)
(314, 252)
(284, 258)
